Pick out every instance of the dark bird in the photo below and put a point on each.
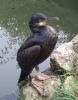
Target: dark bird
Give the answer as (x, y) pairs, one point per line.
(37, 47)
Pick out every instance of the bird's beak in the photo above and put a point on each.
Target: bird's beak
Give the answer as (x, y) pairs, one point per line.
(44, 22)
(53, 18)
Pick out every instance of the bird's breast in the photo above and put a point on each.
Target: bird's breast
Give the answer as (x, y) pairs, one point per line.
(49, 41)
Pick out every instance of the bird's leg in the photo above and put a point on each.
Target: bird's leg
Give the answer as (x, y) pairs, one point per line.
(37, 84)
(40, 76)
(33, 81)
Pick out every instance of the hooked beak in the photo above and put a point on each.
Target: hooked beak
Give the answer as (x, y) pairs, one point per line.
(44, 22)
(53, 18)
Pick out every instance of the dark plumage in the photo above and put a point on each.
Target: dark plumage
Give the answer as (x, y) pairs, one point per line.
(38, 47)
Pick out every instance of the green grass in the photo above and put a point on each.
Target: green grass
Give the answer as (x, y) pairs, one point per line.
(63, 94)
(67, 91)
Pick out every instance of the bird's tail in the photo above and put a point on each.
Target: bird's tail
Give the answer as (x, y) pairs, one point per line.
(23, 76)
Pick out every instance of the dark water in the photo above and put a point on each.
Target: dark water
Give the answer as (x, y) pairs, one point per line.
(14, 17)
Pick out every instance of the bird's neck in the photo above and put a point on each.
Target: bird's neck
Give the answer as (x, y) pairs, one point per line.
(42, 29)
(51, 29)
(37, 29)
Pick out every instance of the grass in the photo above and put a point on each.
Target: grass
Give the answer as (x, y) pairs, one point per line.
(63, 94)
(68, 89)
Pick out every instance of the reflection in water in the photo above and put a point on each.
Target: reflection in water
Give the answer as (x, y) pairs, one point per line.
(62, 38)
(8, 70)
(12, 96)
(9, 46)
(8, 77)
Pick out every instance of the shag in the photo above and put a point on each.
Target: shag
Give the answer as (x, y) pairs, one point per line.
(37, 47)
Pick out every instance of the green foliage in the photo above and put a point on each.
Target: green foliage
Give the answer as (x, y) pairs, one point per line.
(67, 91)
(63, 94)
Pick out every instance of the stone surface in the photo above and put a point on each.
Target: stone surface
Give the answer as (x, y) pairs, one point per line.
(65, 57)
(50, 85)
(71, 84)
(75, 43)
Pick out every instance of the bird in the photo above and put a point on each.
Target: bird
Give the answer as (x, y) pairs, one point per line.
(38, 47)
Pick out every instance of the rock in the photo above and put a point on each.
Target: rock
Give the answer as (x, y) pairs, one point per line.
(27, 92)
(75, 48)
(71, 84)
(65, 57)
(69, 81)
(75, 43)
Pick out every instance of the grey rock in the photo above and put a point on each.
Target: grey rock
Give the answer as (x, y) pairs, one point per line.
(65, 57)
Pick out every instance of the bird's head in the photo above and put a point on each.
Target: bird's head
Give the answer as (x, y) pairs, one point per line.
(40, 20)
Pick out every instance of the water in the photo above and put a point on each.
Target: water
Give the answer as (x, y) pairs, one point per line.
(14, 17)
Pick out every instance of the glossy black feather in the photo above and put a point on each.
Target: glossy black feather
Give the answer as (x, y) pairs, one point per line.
(36, 48)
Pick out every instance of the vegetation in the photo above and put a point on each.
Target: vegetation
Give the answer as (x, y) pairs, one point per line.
(65, 94)
(68, 89)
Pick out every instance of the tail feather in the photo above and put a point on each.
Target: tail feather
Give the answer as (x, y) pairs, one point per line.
(23, 76)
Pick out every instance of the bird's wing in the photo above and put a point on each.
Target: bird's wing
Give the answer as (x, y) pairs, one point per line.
(31, 41)
(28, 55)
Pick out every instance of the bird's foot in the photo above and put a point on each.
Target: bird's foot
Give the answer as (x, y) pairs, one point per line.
(38, 86)
(42, 77)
